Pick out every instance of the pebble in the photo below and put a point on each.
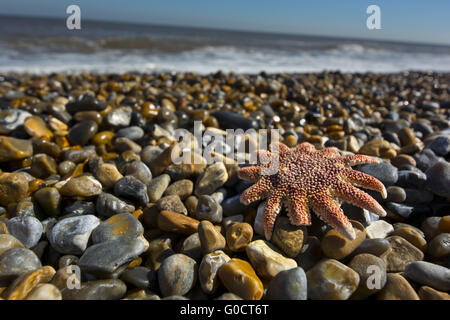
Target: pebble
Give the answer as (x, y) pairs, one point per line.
(372, 275)
(414, 196)
(288, 285)
(401, 254)
(403, 159)
(385, 172)
(44, 291)
(131, 188)
(86, 102)
(133, 133)
(397, 288)
(375, 148)
(430, 227)
(185, 270)
(238, 236)
(16, 261)
(412, 236)
(82, 132)
(109, 289)
(379, 229)
(119, 117)
(212, 178)
(240, 279)
(10, 119)
(176, 222)
(266, 260)
(7, 242)
(210, 239)
(108, 205)
(411, 179)
(287, 237)
(429, 274)
(43, 165)
(13, 188)
(310, 254)
(84, 186)
(124, 144)
(208, 270)
(444, 224)
(22, 285)
(192, 247)
(157, 187)
(140, 277)
(234, 121)
(14, 149)
(79, 207)
(182, 188)
(119, 226)
(399, 211)
(428, 293)
(438, 248)
(228, 296)
(425, 159)
(71, 235)
(49, 199)
(108, 175)
(140, 171)
(331, 280)
(440, 145)
(28, 230)
(37, 128)
(336, 246)
(171, 203)
(438, 179)
(158, 164)
(396, 194)
(208, 209)
(232, 206)
(105, 258)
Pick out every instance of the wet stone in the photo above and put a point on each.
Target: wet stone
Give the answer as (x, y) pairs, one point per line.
(266, 260)
(16, 261)
(79, 208)
(14, 149)
(430, 274)
(124, 144)
(288, 285)
(105, 258)
(208, 270)
(13, 188)
(157, 186)
(49, 200)
(402, 254)
(108, 175)
(364, 265)
(78, 156)
(11, 119)
(249, 286)
(131, 188)
(171, 203)
(119, 226)
(138, 170)
(208, 209)
(82, 132)
(83, 186)
(28, 230)
(182, 188)
(210, 238)
(7, 242)
(109, 289)
(186, 270)
(287, 237)
(86, 103)
(212, 178)
(133, 133)
(140, 277)
(331, 280)
(43, 165)
(108, 205)
(71, 235)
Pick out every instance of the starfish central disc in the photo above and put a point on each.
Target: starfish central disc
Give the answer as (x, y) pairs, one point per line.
(306, 178)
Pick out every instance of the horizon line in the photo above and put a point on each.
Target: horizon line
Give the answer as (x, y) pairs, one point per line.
(235, 30)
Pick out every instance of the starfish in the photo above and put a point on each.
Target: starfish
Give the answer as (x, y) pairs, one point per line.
(309, 178)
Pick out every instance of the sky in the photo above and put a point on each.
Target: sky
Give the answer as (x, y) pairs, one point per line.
(401, 20)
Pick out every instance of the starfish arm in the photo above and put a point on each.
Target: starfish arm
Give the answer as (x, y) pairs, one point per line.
(329, 211)
(257, 191)
(279, 147)
(298, 211)
(357, 197)
(305, 147)
(251, 173)
(329, 152)
(271, 210)
(364, 180)
(358, 159)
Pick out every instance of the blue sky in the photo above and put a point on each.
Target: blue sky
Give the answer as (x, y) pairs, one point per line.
(401, 20)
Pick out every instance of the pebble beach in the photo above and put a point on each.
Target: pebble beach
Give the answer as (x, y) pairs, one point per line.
(93, 208)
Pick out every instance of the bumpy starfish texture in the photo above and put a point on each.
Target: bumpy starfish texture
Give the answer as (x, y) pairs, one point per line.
(308, 178)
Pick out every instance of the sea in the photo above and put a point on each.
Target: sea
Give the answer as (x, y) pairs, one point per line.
(45, 45)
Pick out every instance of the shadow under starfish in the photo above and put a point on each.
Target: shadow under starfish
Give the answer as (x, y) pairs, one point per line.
(308, 178)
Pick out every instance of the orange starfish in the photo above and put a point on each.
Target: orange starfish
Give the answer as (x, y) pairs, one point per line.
(307, 177)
